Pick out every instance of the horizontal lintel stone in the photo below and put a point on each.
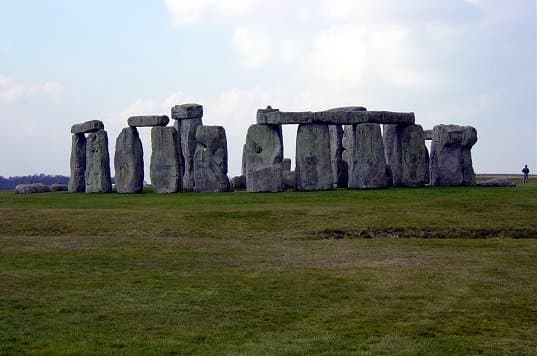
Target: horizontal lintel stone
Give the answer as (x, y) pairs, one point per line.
(148, 120)
(334, 117)
(187, 111)
(87, 127)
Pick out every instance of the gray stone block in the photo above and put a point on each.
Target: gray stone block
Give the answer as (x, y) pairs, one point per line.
(148, 121)
(286, 164)
(210, 160)
(31, 188)
(98, 163)
(313, 168)
(368, 163)
(263, 157)
(288, 179)
(238, 183)
(338, 165)
(87, 127)
(129, 162)
(186, 129)
(165, 169)
(187, 111)
(77, 180)
(57, 187)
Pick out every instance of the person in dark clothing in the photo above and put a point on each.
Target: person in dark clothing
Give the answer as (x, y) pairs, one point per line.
(526, 172)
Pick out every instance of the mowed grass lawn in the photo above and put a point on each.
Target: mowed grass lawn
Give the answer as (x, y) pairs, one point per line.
(393, 271)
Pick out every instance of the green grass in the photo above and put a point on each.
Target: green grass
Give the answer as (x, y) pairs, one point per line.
(453, 271)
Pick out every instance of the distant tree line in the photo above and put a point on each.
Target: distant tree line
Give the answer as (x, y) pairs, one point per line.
(47, 179)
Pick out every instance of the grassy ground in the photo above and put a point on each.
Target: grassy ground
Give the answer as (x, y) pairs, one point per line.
(287, 273)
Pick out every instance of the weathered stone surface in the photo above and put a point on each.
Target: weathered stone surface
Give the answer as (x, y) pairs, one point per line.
(496, 182)
(129, 162)
(243, 166)
(77, 180)
(288, 179)
(187, 111)
(332, 117)
(210, 160)
(148, 120)
(31, 188)
(346, 142)
(238, 183)
(97, 163)
(186, 129)
(368, 164)
(57, 187)
(406, 154)
(87, 127)
(313, 169)
(263, 156)
(165, 168)
(339, 166)
(451, 158)
(428, 134)
(286, 164)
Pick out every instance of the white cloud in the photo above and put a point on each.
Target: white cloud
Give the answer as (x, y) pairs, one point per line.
(15, 91)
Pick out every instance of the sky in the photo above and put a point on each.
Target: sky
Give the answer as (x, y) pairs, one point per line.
(467, 62)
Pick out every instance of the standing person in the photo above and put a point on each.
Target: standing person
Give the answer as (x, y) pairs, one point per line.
(526, 172)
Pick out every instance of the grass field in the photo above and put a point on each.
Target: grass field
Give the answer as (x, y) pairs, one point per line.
(449, 271)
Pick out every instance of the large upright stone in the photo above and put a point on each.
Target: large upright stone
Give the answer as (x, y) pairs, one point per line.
(77, 181)
(165, 169)
(368, 164)
(286, 164)
(129, 162)
(263, 157)
(210, 160)
(406, 154)
(97, 163)
(313, 168)
(451, 157)
(339, 166)
(187, 120)
(346, 143)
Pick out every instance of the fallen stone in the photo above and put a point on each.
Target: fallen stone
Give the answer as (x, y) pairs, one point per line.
(330, 117)
(148, 121)
(238, 183)
(210, 160)
(57, 187)
(368, 162)
(87, 127)
(187, 111)
(186, 129)
(165, 168)
(406, 154)
(31, 188)
(129, 162)
(263, 156)
(451, 158)
(286, 164)
(288, 179)
(77, 180)
(313, 169)
(496, 182)
(97, 163)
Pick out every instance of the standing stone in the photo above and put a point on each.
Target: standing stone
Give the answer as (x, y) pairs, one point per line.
(129, 162)
(263, 156)
(451, 157)
(77, 181)
(339, 166)
(243, 166)
(288, 179)
(406, 154)
(346, 143)
(187, 119)
(368, 164)
(210, 160)
(98, 163)
(286, 164)
(313, 169)
(165, 169)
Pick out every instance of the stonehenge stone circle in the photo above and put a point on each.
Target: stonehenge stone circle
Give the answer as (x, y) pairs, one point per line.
(97, 163)
(129, 162)
(286, 164)
(187, 119)
(313, 169)
(165, 168)
(87, 127)
(451, 157)
(210, 160)
(263, 157)
(148, 121)
(406, 154)
(367, 163)
(77, 180)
